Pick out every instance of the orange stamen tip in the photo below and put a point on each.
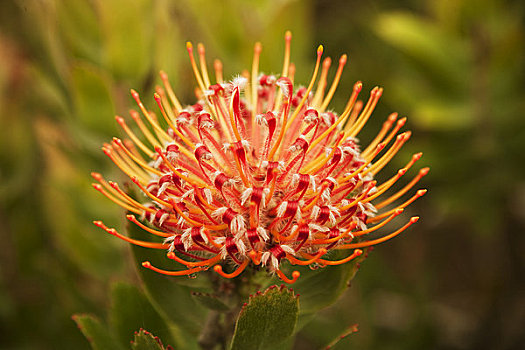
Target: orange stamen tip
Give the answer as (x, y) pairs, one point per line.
(402, 172)
(156, 96)
(358, 86)
(119, 119)
(217, 268)
(189, 46)
(323, 251)
(401, 121)
(296, 275)
(392, 117)
(96, 176)
(146, 264)
(171, 255)
(358, 252)
(134, 93)
(163, 75)
(414, 219)
(424, 171)
(327, 62)
(343, 59)
(201, 49)
(97, 187)
(380, 146)
(421, 192)
(320, 50)
(257, 48)
(217, 64)
(398, 211)
(417, 156)
(288, 35)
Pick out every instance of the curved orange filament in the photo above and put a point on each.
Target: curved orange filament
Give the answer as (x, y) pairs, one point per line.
(133, 137)
(189, 47)
(169, 90)
(321, 86)
(255, 256)
(126, 206)
(354, 255)
(209, 262)
(378, 226)
(286, 123)
(282, 276)
(161, 134)
(360, 198)
(137, 160)
(418, 194)
(405, 189)
(148, 265)
(384, 129)
(144, 244)
(412, 220)
(237, 272)
(202, 61)
(335, 83)
(378, 150)
(296, 261)
(217, 66)
(149, 194)
(367, 112)
(144, 129)
(134, 220)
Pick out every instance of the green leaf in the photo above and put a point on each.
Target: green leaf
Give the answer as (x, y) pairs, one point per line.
(322, 287)
(210, 301)
(439, 54)
(171, 295)
(131, 311)
(92, 96)
(144, 340)
(267, 319)
(96, 333)
(127, 37)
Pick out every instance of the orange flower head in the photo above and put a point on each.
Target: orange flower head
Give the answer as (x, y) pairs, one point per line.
(258, 172)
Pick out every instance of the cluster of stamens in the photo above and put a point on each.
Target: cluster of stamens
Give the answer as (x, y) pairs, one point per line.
(256, 172)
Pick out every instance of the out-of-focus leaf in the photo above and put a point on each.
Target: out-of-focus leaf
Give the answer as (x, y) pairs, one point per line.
(146, 341)
(127, 37)
(443, 57)
(93, 103)
(210, 301)
(78, 25)
(322, 287)
(266, 320)
(440, 115)
(171, 295)
(131, 310)
(97, 334)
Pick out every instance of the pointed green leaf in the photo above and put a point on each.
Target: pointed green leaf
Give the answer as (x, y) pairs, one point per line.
(144, 340)
(322, 287)
(210, 301)
(131, 311)
(267, 319)
(171, 295)
(97, 334)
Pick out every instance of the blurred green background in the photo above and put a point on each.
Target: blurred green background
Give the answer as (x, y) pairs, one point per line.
(455, 68)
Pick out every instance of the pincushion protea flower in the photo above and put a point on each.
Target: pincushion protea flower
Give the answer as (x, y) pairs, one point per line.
(258, 173)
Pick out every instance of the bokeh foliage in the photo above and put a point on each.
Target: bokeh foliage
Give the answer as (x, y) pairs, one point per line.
(455, 68)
